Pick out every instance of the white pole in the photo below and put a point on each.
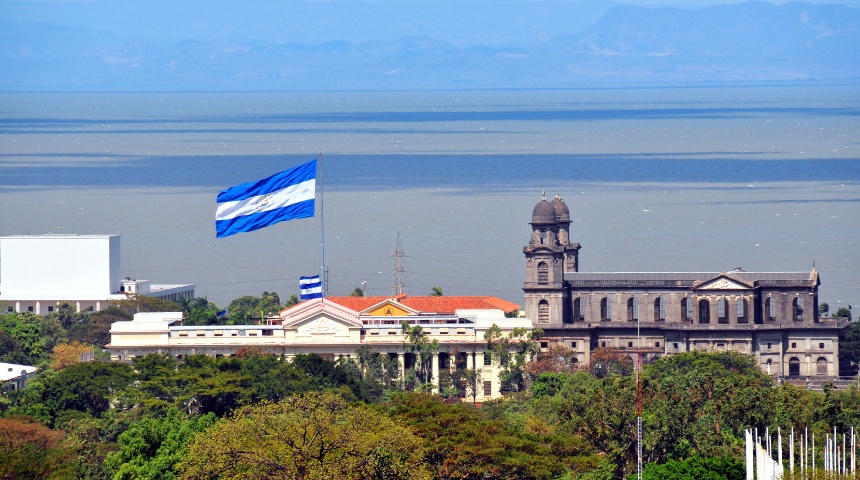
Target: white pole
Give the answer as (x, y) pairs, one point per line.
(813, 452)
(791, 451)
(779, 449)
(323, 273)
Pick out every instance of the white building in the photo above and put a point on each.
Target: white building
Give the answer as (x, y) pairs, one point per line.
(334, 328)
(15, 375)
(39, 272)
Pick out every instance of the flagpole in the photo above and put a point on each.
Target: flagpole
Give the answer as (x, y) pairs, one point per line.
(323, 276)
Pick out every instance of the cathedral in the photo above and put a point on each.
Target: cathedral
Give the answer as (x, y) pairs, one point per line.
(770, 315)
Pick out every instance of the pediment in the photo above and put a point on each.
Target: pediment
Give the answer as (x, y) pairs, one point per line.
(389, 308)
(320, 316)
(723, 282)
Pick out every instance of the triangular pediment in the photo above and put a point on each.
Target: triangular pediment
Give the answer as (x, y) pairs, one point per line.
(320, 316)
(723, 282)
(389, 308)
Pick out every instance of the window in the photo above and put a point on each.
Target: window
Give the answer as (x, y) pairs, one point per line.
(629, 344)
(602, 344)
(30, 308)
(488, 359)
(543, 273)
(488, 388)
(675, 346)
(722, 311)
(582, 311)
(686, 309)
(577, 310)
(768, 345)
(268, 333)
(797, 309)
(544, 345)
(742, 310)
(50, 308)
(632, 310)
(770, 308)
(657, 344)
(704, 311)
(543, 311)
(659, 310)
(605, 310)
(90, 309)
(821, 366)
(821, 346)
(793, 344)
(572, 344)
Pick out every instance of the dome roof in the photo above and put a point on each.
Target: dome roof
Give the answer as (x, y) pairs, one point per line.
(543, 214)
(562, 213)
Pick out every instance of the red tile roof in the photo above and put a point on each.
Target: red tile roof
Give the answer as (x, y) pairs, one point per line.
(429, 304)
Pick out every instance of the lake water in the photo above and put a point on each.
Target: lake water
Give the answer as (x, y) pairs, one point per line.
(670, 179)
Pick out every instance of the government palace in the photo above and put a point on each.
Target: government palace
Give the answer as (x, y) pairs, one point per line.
(770, 315)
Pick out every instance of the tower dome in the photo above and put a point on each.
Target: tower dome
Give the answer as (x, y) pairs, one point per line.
(562, 213)
(544, 213)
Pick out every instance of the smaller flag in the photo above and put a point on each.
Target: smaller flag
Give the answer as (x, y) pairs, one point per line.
(311, 287)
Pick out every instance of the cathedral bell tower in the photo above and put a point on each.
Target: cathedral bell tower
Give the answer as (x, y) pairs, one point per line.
(548, 255)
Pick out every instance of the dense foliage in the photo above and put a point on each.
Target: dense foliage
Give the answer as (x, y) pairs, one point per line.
(205, 417)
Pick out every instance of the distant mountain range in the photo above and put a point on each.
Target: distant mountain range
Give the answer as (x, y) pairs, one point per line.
(349, 45)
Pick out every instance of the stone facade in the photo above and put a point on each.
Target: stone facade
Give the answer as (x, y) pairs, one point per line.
(771, 315)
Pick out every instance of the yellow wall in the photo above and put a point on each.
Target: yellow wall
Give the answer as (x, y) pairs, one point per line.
(389, 310)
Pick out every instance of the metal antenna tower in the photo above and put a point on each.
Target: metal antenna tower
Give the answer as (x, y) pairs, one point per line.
(397, 273)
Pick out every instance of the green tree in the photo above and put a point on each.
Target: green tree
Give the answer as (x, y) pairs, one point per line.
(696, 468)
(200, 311)
(843, 313)
(418, 343)
(153, 446)
(356, 292)
(94, 329)
(85, 387)
(317, 435)
(135, 303)
(823, 309)
(436, 291)
(511, 352)
(462, 444)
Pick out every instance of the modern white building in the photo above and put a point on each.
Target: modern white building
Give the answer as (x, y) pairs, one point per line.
(39, 272)
(16, 376)
(335, 328)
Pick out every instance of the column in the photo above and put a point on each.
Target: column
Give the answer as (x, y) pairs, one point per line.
(470, 361)
(401, 364)
(38, 307)
(435, 379)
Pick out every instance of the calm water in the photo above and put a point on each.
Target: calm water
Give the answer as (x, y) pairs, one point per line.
(686, 179)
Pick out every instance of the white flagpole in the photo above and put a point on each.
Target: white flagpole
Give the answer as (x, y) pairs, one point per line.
(779, 449)
(323, 276)
(791, 451)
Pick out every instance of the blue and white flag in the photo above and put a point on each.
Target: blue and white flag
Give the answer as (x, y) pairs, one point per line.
(311, 287)
(254, 205)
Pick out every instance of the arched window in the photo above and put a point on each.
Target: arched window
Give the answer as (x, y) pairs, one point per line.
(704, 311)
(722, 311)
(577, 310)
(686, 309)
(794, 367)
(742, 310)
(632, 310)
(543, 311)
(821, 366)
(605, 310)
(797, 309)
(659, 310)
(770, 308)
(543, 273)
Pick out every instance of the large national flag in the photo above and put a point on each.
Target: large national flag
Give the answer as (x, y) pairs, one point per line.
(254, 205)
(311, 287)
